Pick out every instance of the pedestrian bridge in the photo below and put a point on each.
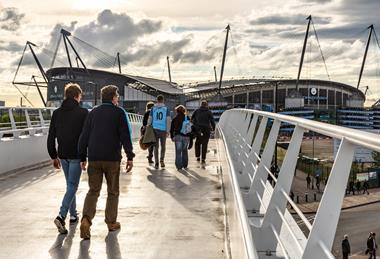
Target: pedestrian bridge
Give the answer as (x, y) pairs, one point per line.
(224, 209)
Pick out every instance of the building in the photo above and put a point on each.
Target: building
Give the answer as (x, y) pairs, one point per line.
(2, 103)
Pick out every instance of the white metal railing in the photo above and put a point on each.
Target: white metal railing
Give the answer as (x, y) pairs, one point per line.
(21, 121)
(273, 229)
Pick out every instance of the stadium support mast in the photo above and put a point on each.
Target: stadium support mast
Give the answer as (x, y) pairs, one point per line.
(365, 54)
(303, 51)
(224, 59)
(170, 76)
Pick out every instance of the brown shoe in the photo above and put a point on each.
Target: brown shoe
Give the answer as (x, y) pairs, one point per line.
(85, 229)
(113, 226)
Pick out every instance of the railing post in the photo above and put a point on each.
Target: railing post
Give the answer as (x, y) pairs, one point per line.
(246, 145)
(12, 119)
(277, 204)
(42, 121)
(29, 123)
(323, 231)
(250, 165)
(256, 191)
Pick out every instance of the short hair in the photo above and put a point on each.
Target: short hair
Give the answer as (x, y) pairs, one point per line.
(204, 103)
(160, 98)
(180, 109)
(149, 105)
(72, 90)
(109, 92)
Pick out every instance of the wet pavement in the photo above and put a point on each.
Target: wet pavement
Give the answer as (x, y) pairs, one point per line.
(163, 213)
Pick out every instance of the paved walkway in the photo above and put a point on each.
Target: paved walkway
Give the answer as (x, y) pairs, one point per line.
(163, 214)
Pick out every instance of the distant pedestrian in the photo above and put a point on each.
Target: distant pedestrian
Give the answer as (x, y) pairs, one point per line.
(203, 120)
(365, 187)
(65, 127)
(351, 187)
(371, 245)
(106, 131)
(308, 181)
(149, 106)
(159, 118)
(358, 186)
(346, 249)
(318, 182)
(180, 131)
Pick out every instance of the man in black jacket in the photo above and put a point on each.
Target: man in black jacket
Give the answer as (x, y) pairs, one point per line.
(106, 130)
(204, 121)
(149, 106)
(66, 126)
(346, 249)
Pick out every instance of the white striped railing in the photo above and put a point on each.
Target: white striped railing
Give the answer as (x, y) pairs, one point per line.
(262, 209)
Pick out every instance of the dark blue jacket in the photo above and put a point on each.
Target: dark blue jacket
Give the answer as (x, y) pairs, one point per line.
(105, 131)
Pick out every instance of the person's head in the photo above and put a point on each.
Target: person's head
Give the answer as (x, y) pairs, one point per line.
(180, 109)
(345, 236)
(149, 105)
(204, 104)
(160, 98)
(73, 91)
(110, 94)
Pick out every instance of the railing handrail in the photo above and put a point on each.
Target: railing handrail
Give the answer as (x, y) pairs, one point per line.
(339, 132)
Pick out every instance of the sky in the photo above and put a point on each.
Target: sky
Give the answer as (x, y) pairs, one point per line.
(265, 40)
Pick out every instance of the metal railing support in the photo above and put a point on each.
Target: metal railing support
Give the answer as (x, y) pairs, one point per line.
(326, 219)
(256, 190)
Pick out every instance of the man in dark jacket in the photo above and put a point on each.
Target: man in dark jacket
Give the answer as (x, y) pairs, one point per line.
(106, 130)
(204, 121)
(149, 106)
(346, 249)
(66, 126)
(372, 245)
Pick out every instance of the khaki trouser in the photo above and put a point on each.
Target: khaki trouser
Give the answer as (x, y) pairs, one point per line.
(111, 171)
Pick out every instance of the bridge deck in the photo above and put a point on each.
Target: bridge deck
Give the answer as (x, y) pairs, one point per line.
(163, 213)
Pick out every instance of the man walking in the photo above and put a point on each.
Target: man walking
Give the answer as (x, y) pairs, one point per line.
(346, 249)
(66, 126)
(106, 130)
(372, 245)
(308, 181)
(365, 187)
(149, 106)
(204, 121)
(159, 118)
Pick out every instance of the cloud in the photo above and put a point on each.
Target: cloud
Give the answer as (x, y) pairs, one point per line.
(10, 19)
(116, 32)
(295, 19)
(317, 1)
(10, 46)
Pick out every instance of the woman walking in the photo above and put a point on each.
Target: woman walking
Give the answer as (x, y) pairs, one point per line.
(180, 131)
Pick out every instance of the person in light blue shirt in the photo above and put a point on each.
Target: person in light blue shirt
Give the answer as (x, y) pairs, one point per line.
(159, 118)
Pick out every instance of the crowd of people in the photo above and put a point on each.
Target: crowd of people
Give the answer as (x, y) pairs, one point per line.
(98, 136)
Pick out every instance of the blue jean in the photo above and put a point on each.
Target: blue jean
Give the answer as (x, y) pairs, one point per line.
(181, 156)
(72, 170)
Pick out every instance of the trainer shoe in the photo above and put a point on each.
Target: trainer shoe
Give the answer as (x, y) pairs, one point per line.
(198, 159)
(85, 229)
(162, 164)
(113, 226)
(60, 223)
(74, 219)
(156, 166)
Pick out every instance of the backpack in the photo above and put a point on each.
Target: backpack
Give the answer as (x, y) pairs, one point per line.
(186, 126)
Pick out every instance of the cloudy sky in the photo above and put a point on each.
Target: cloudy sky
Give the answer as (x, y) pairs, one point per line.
(266, 38)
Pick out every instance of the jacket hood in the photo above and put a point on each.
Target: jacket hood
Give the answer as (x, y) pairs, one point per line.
(69, 104)
(203, 108)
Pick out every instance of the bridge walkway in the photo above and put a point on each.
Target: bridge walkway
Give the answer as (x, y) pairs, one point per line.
(163, 213)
